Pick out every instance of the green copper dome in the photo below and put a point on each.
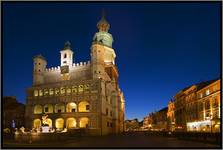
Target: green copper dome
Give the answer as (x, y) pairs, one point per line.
(103, 37)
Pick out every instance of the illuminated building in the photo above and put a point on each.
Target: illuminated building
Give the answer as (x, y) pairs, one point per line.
(131, 125)
(180, 111)
(171, 116)
(156, 120)
(78, 95)
(197, 105)
(208, 109)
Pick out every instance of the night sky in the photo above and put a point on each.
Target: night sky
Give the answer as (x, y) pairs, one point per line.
(161, 48)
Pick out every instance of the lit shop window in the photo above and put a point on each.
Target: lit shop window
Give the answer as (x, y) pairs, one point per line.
(62, 90)
(74, 89)
(35, 93)
(80, 88)
(46, 92)
(68, 90)
(57, 91)
(40, 93)
(51, 91)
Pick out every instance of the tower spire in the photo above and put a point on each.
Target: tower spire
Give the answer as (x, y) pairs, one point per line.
(103, 25)
(103, 14)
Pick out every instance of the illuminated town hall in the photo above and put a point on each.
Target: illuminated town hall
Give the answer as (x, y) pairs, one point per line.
(78, 95)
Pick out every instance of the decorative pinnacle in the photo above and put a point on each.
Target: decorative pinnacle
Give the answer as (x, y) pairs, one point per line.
(103, 14)
(67, 45)
(103, 25)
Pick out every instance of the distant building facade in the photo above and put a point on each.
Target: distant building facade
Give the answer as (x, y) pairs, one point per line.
(156, 120)
(13, 113)
(197, 108)
(208, 108)
(78, 95)
(171, 116)
(132, 125)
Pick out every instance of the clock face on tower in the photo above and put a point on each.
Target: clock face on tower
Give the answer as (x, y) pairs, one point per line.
(64, 69)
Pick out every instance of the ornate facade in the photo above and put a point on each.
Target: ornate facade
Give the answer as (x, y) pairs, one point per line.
(171, 116)
(197, 108)
(78, 95)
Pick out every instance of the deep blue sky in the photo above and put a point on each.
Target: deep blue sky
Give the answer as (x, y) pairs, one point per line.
(160, 47)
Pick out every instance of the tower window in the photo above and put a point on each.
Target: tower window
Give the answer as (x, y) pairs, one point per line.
(106, 111)
(39, 70)
(65, 56)
(64, 62)
(39, 63)
(46, 109)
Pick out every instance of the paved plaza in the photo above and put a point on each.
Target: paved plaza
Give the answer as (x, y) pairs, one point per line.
(123, 141)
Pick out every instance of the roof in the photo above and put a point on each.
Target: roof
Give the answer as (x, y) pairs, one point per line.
(163, 109)
(203, 84)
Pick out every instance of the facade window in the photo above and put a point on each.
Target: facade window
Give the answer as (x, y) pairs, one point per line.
(80, 88)
(35, 93)
(62, 90)
(106, 111)
(38, 109)
(71, 107)
(71, 123)
(46, 92)
(111, 113)
(39, 63)
(86, 87)
(107, 124)
(40, 93)
(39, 70)
(207, 104)
(207, 92)
(83, 106)
(68, 90)
(74, 89)
(215, 102)
(215, 88)
(110, 124)
(59, 123)
(51, 91)
(46, 109)
(87, 107)
(57, 91)
(201, 95)
(59, 108)
(84, 121)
